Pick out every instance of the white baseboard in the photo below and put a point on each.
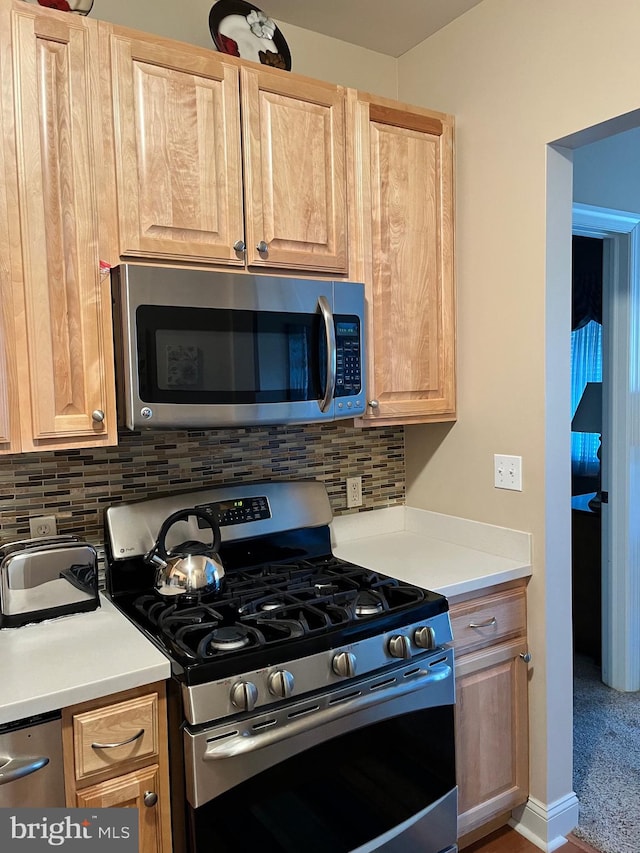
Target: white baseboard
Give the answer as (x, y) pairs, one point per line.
(546, 825)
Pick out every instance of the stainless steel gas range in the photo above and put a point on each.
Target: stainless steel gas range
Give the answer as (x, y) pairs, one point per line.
(312, 699)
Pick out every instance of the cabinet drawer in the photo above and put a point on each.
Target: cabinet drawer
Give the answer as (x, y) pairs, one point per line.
(491, 619)
(111, 736)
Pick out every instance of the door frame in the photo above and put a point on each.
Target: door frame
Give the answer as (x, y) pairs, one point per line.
(620, 560)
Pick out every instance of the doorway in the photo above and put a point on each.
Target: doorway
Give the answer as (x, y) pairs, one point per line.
(620, 561)
(586, 432)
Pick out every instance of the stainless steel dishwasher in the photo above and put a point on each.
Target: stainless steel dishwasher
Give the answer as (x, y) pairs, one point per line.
(31, 771)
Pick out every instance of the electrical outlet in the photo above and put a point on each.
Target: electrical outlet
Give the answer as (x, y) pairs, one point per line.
(508, 472)
(354, 491)
(43, 525)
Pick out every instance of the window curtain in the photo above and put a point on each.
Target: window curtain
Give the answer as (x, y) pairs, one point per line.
(586, 366)
(586, 344)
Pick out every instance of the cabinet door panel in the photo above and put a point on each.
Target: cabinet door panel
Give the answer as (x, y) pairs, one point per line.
(402, 191)
(178, 162)
(129, 792)
(66, 301)
(408, 356)
(295, 184)
(491, 734)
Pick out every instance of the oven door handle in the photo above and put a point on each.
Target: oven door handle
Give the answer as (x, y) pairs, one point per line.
(246, 740)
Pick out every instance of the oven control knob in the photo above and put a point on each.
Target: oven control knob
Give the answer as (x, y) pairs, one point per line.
(400, 646)
(425, 637)
(344, 664)
(244, 695)
(281, 683)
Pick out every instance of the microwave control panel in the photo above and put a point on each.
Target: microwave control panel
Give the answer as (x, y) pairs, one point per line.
(348, 357)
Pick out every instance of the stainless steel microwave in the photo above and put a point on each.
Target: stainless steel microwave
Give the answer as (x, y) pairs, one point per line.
(199, 349)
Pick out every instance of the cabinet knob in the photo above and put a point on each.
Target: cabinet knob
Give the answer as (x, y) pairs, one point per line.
(374, 404)
(97, 415)
(239, 246)
(526, 657)
(262, 247)
(150, 798)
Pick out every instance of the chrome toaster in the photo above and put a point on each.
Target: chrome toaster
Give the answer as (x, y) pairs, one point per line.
(46, 577)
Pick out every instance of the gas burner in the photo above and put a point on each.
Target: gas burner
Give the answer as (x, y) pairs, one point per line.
(272, 604)
(229, 638)
(325, 587)
(368, 603)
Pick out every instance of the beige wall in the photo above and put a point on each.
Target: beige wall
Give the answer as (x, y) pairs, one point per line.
(312, 54)
(519, 75)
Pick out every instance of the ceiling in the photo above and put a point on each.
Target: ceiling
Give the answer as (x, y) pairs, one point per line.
(387, 26)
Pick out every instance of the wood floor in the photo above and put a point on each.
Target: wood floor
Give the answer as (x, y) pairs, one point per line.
(507, 840)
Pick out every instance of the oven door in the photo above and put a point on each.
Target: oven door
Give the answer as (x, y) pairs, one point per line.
(368, 767)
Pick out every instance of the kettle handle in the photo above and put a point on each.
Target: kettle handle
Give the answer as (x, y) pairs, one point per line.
(158, 554)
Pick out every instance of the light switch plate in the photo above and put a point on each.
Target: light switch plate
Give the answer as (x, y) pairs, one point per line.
(508, 472)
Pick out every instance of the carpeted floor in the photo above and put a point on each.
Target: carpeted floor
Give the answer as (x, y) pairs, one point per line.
(606, 761)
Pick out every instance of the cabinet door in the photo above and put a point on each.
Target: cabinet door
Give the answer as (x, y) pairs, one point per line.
(177, 149)
(402, 211)
(131, 791)
(492, 763)
(63, 317)
(295, 179)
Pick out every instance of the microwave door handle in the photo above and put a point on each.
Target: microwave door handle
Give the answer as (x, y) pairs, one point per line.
(330, 338)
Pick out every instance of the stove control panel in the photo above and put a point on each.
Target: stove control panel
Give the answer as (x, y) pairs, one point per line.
(237, 511)
(300, 677)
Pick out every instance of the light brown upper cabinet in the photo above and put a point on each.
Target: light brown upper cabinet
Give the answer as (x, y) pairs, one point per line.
(60, 366)
(193, 186)
(401, 246)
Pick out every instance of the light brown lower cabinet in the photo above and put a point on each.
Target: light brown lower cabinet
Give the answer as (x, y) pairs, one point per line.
(135, 790)
(492, 760)
(115, 756)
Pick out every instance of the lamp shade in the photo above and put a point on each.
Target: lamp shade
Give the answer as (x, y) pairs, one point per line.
(588, 416)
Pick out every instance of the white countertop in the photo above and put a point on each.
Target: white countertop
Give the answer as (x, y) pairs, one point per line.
(59, 662)
(442, 553)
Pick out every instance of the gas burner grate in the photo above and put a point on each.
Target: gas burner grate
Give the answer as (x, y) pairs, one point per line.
(273, 604)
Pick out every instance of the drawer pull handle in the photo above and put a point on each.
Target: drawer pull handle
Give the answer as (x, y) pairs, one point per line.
(488, 624)
(116, 745)
(526, 657)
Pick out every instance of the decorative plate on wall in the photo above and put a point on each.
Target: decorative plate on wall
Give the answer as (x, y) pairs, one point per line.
(241, 29)
(80, 7)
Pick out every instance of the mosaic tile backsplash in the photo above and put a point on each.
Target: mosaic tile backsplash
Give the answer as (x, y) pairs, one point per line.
(77, 485)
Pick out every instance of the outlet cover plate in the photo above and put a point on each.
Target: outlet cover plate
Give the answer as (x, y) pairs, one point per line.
(354, 491)
(43, 525)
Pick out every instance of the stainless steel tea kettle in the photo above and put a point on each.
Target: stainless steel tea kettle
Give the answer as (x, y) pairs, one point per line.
(189, 568)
